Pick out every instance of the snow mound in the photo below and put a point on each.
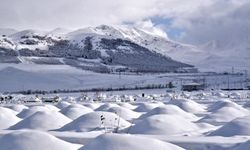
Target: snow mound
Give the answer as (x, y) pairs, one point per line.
(33, 140)
(62, 104)
(52, 107)
(127, 105)
(74, 111)
(7, 118)
(8, 110)
(239, 126)
(243, 146)
(163, 124)
(42, 120)
(127, 142)
(92, 121)
(18, 108)
(169, 110)
(125, 113)
(28, 112)
(145, 107)
(224, 115)
(224, 103)
(107, 106)
(188, 105)
(92, 105)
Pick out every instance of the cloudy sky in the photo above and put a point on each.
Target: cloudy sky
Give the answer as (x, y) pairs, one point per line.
(189, 21)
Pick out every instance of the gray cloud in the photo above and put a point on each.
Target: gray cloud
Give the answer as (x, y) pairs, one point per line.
(224, 22)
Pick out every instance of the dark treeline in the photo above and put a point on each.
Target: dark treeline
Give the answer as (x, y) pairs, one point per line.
(149, 86)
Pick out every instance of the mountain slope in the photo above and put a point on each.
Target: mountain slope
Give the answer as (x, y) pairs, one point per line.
(102, 49)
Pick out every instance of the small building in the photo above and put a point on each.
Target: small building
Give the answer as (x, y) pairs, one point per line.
(192, 87)
(51, 99)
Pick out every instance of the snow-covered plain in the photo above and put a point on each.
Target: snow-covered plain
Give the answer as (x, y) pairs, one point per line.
(202, 120)
(18, 77)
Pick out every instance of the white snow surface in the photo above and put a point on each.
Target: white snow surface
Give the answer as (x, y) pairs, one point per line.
(127, 142)
(163, 124)
(42, 120)
(187, 120)
(7, 118)
(31, 139)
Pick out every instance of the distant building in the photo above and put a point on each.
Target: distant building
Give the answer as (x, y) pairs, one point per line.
(192, 87)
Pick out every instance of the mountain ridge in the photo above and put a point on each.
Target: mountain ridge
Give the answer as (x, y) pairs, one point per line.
(111, 48)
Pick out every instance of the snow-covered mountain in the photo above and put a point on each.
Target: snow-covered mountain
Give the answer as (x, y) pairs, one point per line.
(228, 54)
(102, 49)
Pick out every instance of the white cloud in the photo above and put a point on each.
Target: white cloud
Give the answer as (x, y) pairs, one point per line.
(202, 20)
(149, 26)
(79, 13)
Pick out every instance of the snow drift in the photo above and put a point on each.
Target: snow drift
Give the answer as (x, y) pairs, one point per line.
(239, 126)
(93, 121)
(7, 118)
(163, 125)
(128, 142)
(42, 120)
(33, 140)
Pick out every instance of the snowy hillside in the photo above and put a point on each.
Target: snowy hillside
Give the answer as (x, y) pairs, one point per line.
(101, 49)
(115, 48)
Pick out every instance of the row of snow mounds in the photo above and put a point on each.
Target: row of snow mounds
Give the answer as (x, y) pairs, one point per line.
(239, 126)
(95, 121)
(163, 125)
(128, 142)
(25, 111)
(75, 110)
(170, 110)
(223, 112)
(188, 105)
(7, 118)
(42, 120)
(34, 140)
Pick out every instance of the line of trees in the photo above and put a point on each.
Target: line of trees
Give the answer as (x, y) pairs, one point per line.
(43, 92)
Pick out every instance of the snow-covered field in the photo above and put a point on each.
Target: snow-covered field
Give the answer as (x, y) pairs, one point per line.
(18, 77)
(213, 120)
